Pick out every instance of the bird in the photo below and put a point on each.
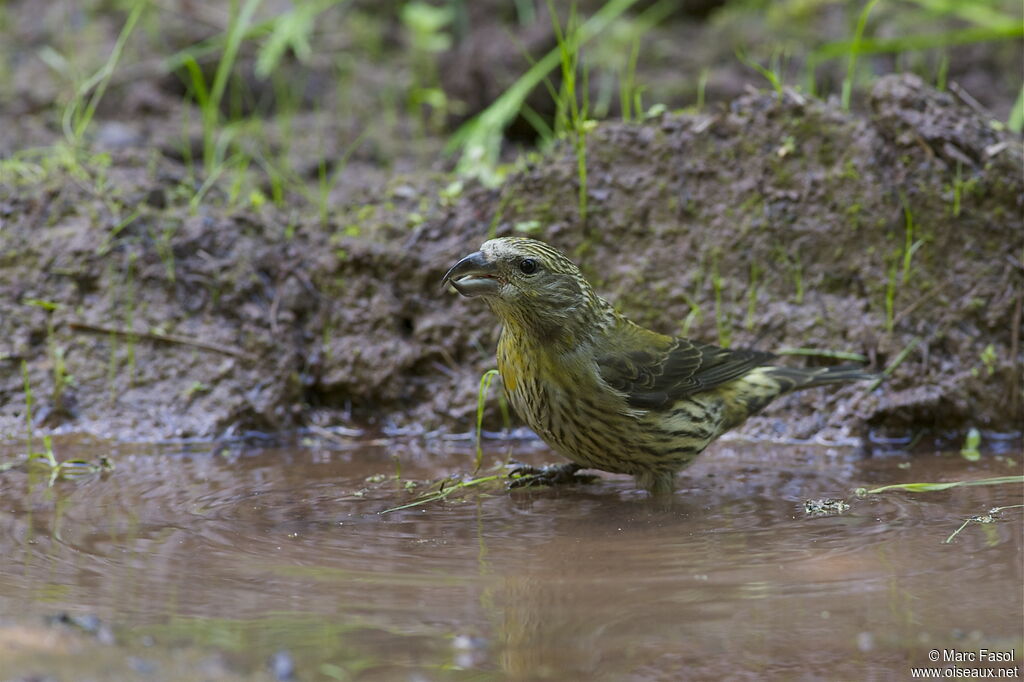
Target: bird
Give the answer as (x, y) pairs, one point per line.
(603, 391)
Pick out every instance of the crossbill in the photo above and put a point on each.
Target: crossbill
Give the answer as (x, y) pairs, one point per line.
(603, 391)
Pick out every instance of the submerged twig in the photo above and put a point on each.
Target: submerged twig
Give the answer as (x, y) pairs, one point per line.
(990, 517)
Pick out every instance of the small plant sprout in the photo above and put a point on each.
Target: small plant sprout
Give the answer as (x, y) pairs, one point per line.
(694, 315)
(890, 291)
(770, 72)
(427, 28)
(28, 406)
(79, 114)
(572, 103)
(988, 359)
(702, 86)
(69, 468)
(970, 450)
(851, 63)
(629, 93)
(1016, 120)
(61, 379)
(910, 246)
(755, 272)
(721, 316)
(46, 459)
(196, 388)
(210, 100)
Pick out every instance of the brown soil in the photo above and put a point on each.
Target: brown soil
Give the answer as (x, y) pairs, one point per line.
(319, 325)
(231, 316)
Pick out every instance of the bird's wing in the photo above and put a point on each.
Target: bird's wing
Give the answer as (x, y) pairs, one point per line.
(655, 376)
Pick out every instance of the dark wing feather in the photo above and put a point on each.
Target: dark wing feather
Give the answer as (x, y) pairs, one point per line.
(653, 379)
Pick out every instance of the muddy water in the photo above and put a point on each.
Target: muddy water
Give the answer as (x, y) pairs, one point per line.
(209, 563)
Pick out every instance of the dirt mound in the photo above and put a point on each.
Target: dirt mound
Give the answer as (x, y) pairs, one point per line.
(778, 222)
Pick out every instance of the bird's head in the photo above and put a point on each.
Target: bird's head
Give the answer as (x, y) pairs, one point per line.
(529, 284)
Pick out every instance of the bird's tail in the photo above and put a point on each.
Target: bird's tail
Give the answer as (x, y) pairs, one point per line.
(754, 391)
(795, 378)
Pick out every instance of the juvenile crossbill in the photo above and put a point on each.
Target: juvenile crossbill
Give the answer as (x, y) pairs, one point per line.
(603, 391)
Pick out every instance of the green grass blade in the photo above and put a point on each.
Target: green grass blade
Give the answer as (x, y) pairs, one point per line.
(769, 74)
(854, 50)
(980, 13)
(824, 353)
(75, 119)
(237, 30)
(917, 42)
(28, 406)
(1016, 120)
(934, 487)
(485, 385)
(236, 34)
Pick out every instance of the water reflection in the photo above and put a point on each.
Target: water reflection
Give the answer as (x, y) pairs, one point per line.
(257, 552)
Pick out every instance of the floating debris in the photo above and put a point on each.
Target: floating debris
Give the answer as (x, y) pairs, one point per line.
(825, 506)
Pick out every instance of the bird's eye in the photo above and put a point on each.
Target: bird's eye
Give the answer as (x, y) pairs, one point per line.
(528, 266)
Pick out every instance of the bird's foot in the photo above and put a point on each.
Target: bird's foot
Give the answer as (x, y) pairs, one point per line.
(524, 476)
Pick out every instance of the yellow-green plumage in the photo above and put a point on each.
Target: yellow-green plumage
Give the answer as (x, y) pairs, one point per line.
(603, 391)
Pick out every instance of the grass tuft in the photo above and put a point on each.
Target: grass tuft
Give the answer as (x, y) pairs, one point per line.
(770, 72)
(79, 114)
(478, 141)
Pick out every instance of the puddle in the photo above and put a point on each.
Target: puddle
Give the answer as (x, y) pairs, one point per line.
(208, 564)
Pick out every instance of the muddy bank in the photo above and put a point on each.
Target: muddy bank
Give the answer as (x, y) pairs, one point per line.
(775, 221)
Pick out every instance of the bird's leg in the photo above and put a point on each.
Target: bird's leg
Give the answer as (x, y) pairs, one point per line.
(524, 476)
(660, 484)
